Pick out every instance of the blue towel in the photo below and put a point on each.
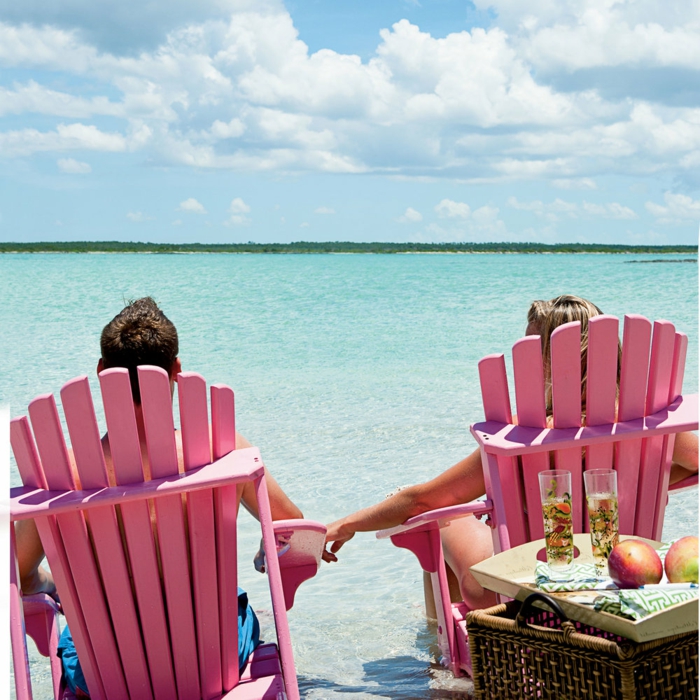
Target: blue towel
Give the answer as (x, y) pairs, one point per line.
(248, 640)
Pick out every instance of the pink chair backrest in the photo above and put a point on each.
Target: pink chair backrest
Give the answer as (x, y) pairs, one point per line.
(136, 637)
(650, 378)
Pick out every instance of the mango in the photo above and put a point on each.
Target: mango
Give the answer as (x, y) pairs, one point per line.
(681, 561)
(633, 563)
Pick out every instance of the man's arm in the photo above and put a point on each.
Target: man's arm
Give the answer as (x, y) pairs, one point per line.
(461, 483)
(281, 505)
(30, 553)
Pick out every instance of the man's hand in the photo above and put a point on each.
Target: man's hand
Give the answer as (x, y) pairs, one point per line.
(338, 534)
(259, 559)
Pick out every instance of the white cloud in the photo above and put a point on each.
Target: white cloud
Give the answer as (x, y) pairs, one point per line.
(66, 137)
(73, 167)
(138, 217)
(608, 34)
(410, 216)
(553, 211)
(678, 209)
(452, 210)
(238, 206)
(129, 26)
(482, 224)
(304, 224)
(580, 183)
(612, 210)
(34, 98)
(227, 130)
(191, 205)
(324, 210)
(238, 210)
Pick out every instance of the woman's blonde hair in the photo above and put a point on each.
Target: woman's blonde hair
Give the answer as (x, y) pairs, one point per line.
(537, 314)
(565, 309)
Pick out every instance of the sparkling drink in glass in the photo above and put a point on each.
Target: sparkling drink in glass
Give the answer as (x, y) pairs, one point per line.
(601, 497)
(555, 490)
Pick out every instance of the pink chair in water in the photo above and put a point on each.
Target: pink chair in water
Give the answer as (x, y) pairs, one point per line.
(634, 432)
(139, 635)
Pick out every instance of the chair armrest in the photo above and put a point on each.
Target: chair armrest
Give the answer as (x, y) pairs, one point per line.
(236, 467)
(300, 544)
(511, 440)
(440, 516)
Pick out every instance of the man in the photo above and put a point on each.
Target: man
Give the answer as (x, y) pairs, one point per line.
(141, 334)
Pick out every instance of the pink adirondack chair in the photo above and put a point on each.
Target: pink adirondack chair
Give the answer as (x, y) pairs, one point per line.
(136, 637)
(633, 432)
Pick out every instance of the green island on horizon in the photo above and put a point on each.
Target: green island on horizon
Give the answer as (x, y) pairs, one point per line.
(301, 247)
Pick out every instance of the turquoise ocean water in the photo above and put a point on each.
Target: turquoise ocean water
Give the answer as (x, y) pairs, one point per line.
(354, 374)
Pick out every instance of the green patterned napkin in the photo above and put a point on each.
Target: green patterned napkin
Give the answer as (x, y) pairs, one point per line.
(583, 577)
(640, 603)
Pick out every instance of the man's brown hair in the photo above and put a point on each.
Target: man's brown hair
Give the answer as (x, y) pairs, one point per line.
(140, 334)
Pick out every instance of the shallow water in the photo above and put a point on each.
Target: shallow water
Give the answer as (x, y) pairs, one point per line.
(354, 374)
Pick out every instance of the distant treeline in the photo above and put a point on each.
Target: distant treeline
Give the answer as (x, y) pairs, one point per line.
(333, 247)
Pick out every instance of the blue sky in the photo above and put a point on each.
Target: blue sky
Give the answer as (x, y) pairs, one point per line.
(421, 120)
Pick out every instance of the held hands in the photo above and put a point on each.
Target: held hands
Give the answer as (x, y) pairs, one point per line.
(338, 535)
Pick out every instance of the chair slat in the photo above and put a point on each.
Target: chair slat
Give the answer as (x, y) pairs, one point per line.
(571, 460)
(89, 459)
(658, 387)
(126, 458)
(100, 646)
(194, 420)
(675, 389)
(223, 421)
(529, 382)
(636, 345)
(122, 431)
(494, 489)
(660, 366)
(18, 638)
(172, 537)
(601, 382)
(26, 454)
(196, 452)
(566, 375)
(50, 443)
(512, 490)
(532, 466)
(84, 433)
(494, 389)
(680, 352)
(601, 386)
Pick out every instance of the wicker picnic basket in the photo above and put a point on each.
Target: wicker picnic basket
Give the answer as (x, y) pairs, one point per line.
(519, 651)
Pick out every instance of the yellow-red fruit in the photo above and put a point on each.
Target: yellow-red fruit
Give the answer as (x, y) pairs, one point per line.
(681, 562)
(634, 563)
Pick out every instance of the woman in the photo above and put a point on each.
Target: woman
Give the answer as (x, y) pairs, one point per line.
(467, 541)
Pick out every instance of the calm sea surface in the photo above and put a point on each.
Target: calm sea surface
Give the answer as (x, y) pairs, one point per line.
(354, 374)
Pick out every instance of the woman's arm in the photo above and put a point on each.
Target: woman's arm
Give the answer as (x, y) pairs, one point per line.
(461, 483)
(685, 457)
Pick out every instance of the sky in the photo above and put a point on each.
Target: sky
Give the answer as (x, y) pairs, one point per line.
(329, 120)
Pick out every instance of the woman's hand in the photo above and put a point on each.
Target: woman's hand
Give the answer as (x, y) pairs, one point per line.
(337, 533)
